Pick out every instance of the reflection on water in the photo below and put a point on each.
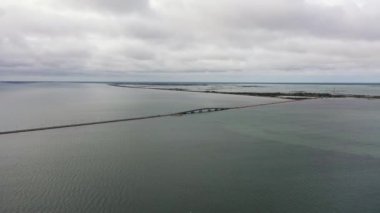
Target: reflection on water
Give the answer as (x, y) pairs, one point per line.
(311, 156)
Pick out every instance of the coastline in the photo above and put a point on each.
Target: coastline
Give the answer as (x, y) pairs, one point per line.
(300, 95)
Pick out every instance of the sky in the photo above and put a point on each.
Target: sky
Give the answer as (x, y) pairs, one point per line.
(190, 40)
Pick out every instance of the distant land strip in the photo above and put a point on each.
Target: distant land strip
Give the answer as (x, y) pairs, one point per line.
(188, 112)
(284, 95)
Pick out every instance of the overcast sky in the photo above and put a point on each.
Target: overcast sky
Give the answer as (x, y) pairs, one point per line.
(190, 40)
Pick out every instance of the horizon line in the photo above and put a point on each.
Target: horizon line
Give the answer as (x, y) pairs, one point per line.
(188, 82)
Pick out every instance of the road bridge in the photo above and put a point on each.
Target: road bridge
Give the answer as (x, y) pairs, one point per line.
(189, 112)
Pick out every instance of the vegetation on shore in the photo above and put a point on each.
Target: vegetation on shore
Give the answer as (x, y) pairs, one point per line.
(285, 95)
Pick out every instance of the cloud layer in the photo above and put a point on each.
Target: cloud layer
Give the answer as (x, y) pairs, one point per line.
(191, 39)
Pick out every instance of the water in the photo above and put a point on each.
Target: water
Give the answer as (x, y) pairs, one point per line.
(310, 156)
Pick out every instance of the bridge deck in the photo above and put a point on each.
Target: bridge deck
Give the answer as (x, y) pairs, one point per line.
(189, 112)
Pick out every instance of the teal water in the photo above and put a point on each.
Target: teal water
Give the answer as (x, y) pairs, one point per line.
(310, 156)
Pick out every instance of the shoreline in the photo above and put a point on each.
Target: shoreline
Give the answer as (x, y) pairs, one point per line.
(283, 95)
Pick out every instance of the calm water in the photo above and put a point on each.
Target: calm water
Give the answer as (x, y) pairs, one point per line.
(310, 156)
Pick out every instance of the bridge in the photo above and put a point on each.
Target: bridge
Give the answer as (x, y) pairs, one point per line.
(189, 112)
(202, 110)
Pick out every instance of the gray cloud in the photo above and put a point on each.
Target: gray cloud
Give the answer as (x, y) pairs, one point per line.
(190, 38)
(119, 6)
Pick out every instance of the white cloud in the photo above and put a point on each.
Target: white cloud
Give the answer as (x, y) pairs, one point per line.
(134, 37)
